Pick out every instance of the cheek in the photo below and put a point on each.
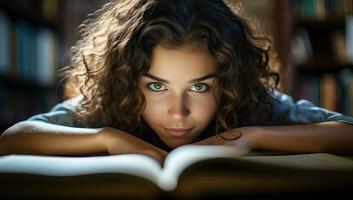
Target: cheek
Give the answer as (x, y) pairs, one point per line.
(204, 108)
(153, 107)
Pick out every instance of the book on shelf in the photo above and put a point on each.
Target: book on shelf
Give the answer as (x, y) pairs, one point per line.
(322, 9)
(300, 47)
(35, 53)
(5, 46)
(45, 56)
(333, 91)
(187, 170)
(27, 51)
(346, 85)
(328, 92)
(310, 88)
(349, 38)
(50, 9)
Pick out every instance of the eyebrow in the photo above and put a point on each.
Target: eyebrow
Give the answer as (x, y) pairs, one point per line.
(208, 76)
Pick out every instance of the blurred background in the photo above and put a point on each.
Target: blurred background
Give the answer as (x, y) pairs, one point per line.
(313, 40)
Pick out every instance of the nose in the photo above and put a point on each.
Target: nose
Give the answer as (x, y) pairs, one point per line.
(178, 108)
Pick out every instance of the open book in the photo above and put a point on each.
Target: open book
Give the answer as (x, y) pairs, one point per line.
(187, 170)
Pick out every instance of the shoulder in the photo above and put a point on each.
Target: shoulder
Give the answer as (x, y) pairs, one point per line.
(286, 111)
(70, 105)
(64, 113)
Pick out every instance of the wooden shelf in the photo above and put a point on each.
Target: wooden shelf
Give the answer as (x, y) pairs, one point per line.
(323, 64)
(330, 24)
(28, 11)
(22, 85)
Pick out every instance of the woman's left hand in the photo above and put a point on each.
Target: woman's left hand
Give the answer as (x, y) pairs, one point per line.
(238, 137)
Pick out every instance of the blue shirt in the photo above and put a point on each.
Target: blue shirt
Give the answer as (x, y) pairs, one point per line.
(285, 112)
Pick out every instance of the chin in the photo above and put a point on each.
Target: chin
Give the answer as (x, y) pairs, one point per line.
(176, 144)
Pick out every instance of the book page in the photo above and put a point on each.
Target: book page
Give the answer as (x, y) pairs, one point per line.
(182, 157)
(131, 164)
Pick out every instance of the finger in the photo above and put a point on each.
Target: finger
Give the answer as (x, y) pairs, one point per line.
(214, 140)
(164, 153)
(205, 141)
(221, 138)
(231, 135)
(161, 151)
(157, 155)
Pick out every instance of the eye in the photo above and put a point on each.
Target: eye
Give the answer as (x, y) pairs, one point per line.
(200, 87)
(156, 86)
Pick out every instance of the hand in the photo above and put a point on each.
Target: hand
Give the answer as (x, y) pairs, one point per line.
(238, 137)
(121, 142)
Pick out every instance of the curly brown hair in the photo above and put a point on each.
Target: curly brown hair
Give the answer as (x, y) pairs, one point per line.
(116, 47)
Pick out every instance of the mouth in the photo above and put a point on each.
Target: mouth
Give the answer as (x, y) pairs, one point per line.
(178, 132)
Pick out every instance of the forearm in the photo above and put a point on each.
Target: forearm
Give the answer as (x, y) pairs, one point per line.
(44, 138)
(334, 137)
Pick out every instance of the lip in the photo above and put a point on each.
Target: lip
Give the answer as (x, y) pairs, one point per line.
(178, 129)
(178, 132)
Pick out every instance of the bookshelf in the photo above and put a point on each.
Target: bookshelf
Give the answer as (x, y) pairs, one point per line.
(316, 39)
(35, 37)
(29, 38)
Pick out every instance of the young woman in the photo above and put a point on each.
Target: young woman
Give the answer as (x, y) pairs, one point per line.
(151, 75)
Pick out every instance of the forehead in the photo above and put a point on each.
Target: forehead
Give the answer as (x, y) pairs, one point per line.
(190, 60)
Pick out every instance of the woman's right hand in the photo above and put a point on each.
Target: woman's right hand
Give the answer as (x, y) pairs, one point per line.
(121, 142)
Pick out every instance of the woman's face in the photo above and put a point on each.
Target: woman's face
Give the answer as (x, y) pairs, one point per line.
(179, 91)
